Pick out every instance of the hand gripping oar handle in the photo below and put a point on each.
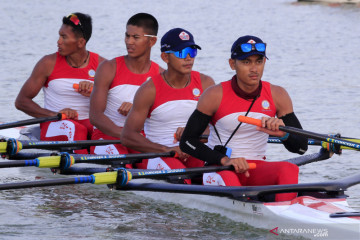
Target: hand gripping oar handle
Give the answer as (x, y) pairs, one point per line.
(76, 87)
(59, 116)
(340, 141)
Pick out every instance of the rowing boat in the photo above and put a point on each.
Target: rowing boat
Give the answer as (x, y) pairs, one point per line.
(320, 210)
(322, 213)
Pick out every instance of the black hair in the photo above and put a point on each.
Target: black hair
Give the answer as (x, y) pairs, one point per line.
(84, 29)
(146, 21)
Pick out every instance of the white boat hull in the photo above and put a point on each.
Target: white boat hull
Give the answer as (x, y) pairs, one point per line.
(304, 216)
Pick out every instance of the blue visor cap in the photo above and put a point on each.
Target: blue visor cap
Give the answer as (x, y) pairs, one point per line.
(247, 46)
(177, 39)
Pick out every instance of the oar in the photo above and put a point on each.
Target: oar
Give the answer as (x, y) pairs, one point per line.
(66, 160)
(160, 174)
(59, 116)
(28, 155)
(310, 142)
(319, 143)
(301, 132)
(13, 146)
(331, 147)
(323, 154)
(117, 178)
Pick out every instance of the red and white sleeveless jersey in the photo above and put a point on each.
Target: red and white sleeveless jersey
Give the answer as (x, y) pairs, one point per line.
(247, 141)
(124, 87)
(171, 109)
(58, 89)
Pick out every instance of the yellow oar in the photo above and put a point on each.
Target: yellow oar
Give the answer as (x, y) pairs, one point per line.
(117, 178)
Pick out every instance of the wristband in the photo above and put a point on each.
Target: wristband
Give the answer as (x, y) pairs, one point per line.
(285, 137)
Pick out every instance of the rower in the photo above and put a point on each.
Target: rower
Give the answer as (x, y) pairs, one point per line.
(163, 104)
(55, 74)
(118, 79)
(233, 143)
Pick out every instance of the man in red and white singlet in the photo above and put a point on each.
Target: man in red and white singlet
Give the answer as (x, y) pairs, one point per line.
(244, 94)
(118, 79)
(56, 74)
(164, 103)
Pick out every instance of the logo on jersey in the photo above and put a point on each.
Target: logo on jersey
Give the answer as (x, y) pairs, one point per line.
(265, 104)
(196, 92)
(91, 73)
(184, 36)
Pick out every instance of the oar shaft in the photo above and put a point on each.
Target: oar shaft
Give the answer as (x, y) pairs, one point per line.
(21, 163)
(63, 144)
(46, 183)
(90, 158)
(31, 121)
(320, 137)
(29, 155)
(13, 146)
(66, 160)
(310, 141)
(301, 132)
(181, 171)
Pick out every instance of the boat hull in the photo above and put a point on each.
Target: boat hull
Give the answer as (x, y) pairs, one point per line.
(304, 216)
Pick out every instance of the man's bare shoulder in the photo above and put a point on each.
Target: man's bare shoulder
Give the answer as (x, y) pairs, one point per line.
(148, 85)
(210, 100)
(48, 60)
(206, 81)
(213, 90)
(275, 89)
(107, 66)
(282, 100)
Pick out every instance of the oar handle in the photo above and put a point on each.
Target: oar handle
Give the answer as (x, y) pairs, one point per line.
(249, 120)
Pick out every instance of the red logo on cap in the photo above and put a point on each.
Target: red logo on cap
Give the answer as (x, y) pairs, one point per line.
(184, 36)
(251, 41)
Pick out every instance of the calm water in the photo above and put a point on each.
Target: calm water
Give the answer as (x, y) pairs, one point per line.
(313, 51)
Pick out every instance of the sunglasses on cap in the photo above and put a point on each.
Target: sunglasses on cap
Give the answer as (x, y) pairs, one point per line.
(184, 52)
(76, 21)
(248, 47)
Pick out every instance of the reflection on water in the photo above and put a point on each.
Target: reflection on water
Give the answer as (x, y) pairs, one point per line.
(312, 51)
